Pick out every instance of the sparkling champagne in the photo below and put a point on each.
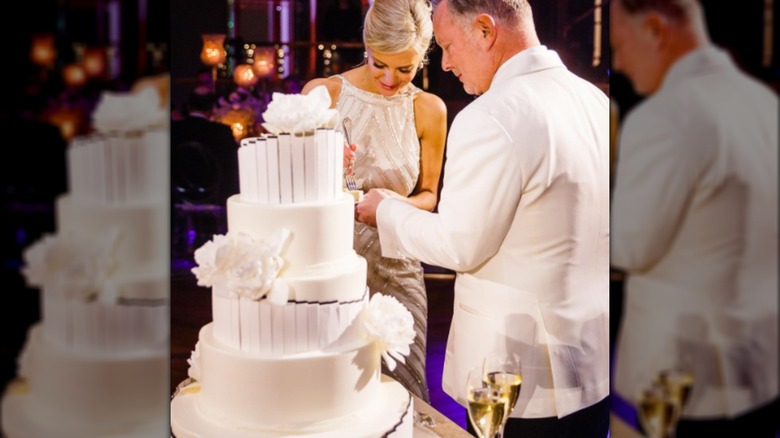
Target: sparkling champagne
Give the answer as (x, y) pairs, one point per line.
(679, 384)
(486, 410)
(657, 412)
(509, 384)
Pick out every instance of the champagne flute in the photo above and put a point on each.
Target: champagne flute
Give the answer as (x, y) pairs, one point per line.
(486, 405)
(657, 410)
(682, 376)
(678, 382)
(502, 372)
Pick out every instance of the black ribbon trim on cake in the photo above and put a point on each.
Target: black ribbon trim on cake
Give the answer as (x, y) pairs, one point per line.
(401, 420)
(324, 303)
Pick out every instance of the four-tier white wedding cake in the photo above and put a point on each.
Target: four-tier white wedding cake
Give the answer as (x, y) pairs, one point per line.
(295, 345)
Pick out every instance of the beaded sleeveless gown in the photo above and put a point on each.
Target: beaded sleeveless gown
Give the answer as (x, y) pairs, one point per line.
(388, 156)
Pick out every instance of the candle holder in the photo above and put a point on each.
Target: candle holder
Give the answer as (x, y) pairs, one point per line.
(213, 53)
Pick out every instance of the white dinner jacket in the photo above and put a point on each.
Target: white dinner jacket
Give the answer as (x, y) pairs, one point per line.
(524, 221)
(695, 228)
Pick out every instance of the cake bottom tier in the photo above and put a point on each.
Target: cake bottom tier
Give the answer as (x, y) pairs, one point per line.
(20, 419)
(284, 392)
(68, 393)
(390, 415)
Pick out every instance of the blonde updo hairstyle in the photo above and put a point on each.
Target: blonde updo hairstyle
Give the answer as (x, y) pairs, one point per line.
(392, 26)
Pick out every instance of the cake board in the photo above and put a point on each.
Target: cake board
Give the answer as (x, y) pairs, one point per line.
(20, 421)
(391, 417)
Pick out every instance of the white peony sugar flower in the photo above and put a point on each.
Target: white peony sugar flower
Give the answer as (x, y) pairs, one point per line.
(244, 266)
(300, 113)
(211, 268)
(392, 326)
(194, 363)
(127, 112)
(74, 265)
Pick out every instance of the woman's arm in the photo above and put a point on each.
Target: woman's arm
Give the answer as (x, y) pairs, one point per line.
(430, 115)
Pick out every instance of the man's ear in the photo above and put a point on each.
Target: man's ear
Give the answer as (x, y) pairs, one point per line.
(486, 26)
(657, 29)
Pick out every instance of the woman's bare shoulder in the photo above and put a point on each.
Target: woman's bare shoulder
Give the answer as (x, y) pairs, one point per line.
(429, 105)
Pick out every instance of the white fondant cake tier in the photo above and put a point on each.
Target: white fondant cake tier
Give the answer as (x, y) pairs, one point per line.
(342, 282)
(105, 329)
(120, 168)
(21, 420)
(388, 415)
(321, 233)
(294, 327)
(144, 237)
(294, 392)
(87, 392)
(288, 169)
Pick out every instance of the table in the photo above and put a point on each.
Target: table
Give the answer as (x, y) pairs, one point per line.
(444, 427)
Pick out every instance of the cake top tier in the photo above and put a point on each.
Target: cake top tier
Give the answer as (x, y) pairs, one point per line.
(125, 160)
(291, 169)
(116, 170)
(301, 160)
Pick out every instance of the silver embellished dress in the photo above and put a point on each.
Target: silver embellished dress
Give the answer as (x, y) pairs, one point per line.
(388, 156)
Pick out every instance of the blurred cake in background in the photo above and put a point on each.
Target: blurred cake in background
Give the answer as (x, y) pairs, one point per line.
(97, 363)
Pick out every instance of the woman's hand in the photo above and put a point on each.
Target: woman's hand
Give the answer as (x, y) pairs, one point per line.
(349, 156)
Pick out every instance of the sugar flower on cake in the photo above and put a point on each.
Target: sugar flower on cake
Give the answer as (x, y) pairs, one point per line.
(392, 326)
(245, 266)
(127, 112)
(194, 363)
(74, 265)
(300, 113)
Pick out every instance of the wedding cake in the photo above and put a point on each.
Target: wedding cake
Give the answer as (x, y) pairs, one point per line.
(97, 363)
(295, 345)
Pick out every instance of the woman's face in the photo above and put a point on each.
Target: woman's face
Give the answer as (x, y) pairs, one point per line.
(390, 73)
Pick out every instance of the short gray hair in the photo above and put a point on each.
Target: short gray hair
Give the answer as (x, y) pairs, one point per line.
(392, 26)
(505, 11)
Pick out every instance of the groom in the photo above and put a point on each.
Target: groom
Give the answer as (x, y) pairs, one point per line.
(523, 219)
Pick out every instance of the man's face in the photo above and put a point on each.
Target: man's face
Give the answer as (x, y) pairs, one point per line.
(461, 53)
(635, 49)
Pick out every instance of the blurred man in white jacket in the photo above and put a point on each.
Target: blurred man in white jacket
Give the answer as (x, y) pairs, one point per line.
(523, 219)
(694, 220)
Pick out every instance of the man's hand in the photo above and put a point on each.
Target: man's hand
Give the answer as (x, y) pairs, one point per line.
(365, 210)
